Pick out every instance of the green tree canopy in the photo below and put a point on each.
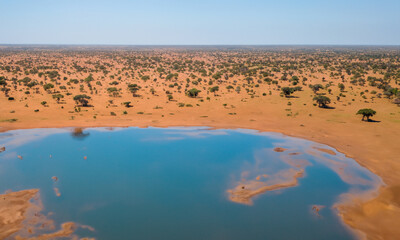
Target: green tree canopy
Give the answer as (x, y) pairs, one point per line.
(193, 92)
(82, 99)
(48, 86)
(322, 101)
(366, 112)
(316, 87)
(89, 78)
(58, 97)
(341, 86)
(214, 89)
(287, 91)
(113, 90)
(133, 88)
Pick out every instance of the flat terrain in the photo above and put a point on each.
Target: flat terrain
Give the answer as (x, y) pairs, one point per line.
(268, 89)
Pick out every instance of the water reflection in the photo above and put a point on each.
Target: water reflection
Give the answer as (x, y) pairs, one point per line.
(78, 133)
(178, 183)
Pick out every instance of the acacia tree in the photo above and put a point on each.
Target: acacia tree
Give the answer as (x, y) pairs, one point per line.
(287, 91)
(89, 78)
(3, 84)
(322, 101)
(133, 88)
(127, 104)
(48, 86)
(366, 112)
(391, 92)
(82, 99)
(214, 90)
(316, 87)
(58, 97)
(3, 81)
(193, 92)
(114, 91)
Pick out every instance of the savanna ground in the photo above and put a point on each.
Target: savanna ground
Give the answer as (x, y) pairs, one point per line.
(308, 92)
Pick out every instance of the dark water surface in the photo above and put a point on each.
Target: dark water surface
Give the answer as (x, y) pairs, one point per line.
(172, 183)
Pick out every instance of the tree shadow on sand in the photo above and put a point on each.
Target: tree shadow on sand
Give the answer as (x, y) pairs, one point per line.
(373, 121)
(327, 107)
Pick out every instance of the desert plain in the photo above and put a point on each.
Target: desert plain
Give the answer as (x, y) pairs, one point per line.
(308, 92)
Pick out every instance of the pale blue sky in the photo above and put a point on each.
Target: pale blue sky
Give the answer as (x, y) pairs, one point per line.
(205, 22)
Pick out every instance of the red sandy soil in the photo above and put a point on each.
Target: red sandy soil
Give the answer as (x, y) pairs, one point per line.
(375, 145)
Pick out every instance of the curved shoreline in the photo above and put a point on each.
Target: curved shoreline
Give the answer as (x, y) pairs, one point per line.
(21, 217)
(354, 216)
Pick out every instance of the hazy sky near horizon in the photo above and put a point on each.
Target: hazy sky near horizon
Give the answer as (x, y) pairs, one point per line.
(203, 22)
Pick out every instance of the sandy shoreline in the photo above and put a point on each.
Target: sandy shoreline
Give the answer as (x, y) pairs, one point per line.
(21, 218)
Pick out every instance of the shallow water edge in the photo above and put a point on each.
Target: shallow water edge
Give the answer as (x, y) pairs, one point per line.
(318, 150)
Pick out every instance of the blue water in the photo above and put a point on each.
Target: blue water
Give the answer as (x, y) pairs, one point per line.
(171, 183)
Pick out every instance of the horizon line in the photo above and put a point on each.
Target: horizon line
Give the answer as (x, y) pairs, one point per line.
(174, 45)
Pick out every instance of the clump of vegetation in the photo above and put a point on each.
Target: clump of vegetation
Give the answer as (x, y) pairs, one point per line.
(341, 87)
(48, 86)
(133, 88)
(9, 120)
(214, 89)
(322, 101)
(58, 97)
(193, 92)
(287, 91)
(83, 99)
(366, 113)
(113, 91)
(127, 104)
(316, 87)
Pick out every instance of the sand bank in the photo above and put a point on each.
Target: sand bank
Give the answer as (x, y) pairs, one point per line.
(245, 191)
(21, 218)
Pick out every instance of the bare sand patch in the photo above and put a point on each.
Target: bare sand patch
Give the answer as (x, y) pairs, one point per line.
(328, 151)
(21, 218)
(246, 190)
(57, 191)
(279, 149)
(373, 217)
(13, 208)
